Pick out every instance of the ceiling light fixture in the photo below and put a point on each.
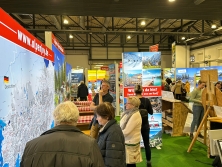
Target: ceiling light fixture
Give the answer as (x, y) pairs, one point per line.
(70, 36)
(183, 38)
(128, 37)
(171, 0)
(213, 26)
(65, 21)
(143, 23)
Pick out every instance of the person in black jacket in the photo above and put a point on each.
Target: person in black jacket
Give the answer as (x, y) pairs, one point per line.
(110, 140)
(64, 145)
(145, 129)
(82, 91)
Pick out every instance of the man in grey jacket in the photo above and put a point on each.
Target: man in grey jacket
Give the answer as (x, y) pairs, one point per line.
(64, 145)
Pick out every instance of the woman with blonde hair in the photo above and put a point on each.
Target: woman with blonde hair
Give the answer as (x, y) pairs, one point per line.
(130, 124)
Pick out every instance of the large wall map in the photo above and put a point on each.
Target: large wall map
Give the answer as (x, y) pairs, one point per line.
(26, 91)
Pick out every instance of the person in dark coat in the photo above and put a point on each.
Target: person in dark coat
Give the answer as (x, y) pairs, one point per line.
(82, 91)
(110, 140)
(145, 129)
(64, 145)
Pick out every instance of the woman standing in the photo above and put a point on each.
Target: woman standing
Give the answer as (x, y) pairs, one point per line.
(110, 140)
(177, 90)
(130, 124)
(198, 110)
(145, 129)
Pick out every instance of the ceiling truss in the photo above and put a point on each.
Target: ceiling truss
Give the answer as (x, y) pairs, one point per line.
(91, 31)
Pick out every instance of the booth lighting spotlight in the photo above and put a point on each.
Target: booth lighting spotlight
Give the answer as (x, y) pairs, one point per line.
(183, 38)
(128, 37)
(65, 21)
(143, 23)
(213, 26)
(70, 36)
(171, 0)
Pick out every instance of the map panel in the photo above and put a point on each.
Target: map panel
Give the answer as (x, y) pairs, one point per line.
(27, 99)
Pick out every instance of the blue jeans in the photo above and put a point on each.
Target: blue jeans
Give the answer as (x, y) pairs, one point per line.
(198, 113)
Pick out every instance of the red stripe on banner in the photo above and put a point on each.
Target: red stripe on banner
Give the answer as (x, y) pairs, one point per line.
(14, 32)
(153, 91)
(57, 44)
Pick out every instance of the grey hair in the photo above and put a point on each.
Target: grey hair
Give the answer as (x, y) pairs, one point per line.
(66, 112)
(134, 100)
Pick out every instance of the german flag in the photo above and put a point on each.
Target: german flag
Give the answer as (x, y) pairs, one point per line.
(6, 79)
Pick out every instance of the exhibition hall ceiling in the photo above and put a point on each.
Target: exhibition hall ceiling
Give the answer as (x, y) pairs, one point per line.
(109, 23)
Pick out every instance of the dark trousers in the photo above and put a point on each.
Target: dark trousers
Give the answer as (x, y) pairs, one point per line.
(83, 98)
(130, 165)
(146, 140)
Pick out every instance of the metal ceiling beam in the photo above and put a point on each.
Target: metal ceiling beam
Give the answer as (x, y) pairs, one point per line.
(115, 32)
(56, 22)
(100, 23)
(106, 23)
(82, 22)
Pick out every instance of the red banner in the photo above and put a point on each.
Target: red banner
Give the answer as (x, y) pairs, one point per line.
(57, 44)
(154, 48)
(14, 32)
(106, 68)
(154, 91)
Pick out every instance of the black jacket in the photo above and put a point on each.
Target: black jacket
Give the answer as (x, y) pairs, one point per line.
(112, 145)
(145, 104)
(82, 90)
(62, 146)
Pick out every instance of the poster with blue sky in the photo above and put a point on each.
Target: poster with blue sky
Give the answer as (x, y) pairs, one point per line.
(151, 60)
(132, 60)
(151, 77)
(187, 74)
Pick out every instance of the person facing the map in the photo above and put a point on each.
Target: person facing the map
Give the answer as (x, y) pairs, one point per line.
(82, 91)
(64, 145)
(198, 109)
(102, 96)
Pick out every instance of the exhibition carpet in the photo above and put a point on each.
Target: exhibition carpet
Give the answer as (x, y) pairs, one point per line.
(174, 153)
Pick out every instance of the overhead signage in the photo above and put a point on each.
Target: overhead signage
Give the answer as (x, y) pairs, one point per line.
(14, 32)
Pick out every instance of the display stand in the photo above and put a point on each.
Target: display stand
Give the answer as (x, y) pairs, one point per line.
(174, 114)
(85, 115)
(208, 100)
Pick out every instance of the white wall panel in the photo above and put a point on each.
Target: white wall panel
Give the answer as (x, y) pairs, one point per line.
(130, 49)
(211, 54)
(115, 53)
(99, 53)
(78, 60)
